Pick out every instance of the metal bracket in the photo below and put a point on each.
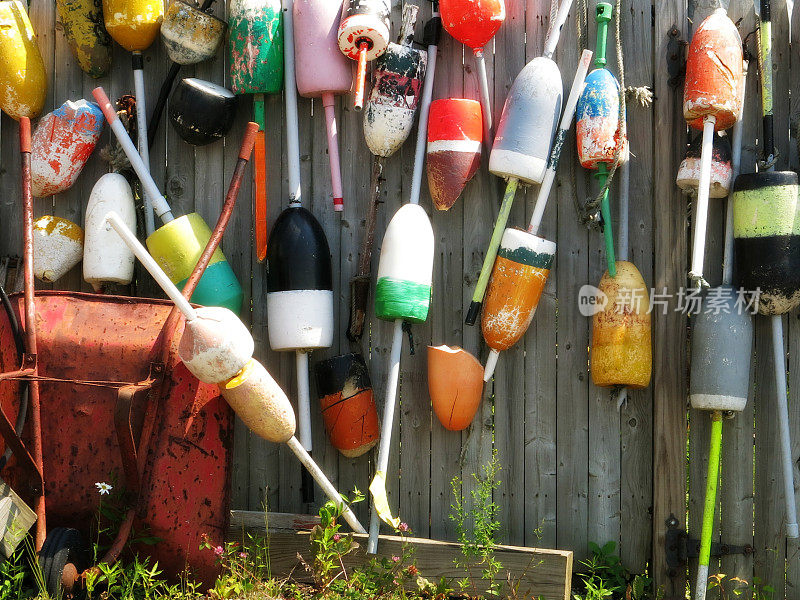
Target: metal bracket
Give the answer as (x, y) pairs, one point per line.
(676, 59)
(680, 547)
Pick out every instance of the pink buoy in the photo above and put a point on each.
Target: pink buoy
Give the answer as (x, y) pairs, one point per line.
(62, 143)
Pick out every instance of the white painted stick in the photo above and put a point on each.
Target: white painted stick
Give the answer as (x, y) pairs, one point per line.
(701, 216)
(151, 265)
(388, 423)
(292, 127)
(486, 105)
(141, 132)
(555, 33)
(624, 205)
(422, 126)
(783, 420)
(558, 142)
(303, 400)
(736, 164)
(159, 202)
(324, 482)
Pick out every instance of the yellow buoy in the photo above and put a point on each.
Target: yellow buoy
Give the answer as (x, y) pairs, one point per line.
(23, 82)
(621, 349)
(134, 24)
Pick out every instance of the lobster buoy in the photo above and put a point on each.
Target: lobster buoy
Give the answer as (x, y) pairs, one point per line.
(621, 351)
(23, 82)
(766, 229)
(178, 245)
(688, 178)
(260, 403)
(363, 36)
(201, 112)
(215, 345)
(62, 143)
(134, 24)
(83, 26)
(57, 247)
(455, 384)
(597, 121)
(299, 283)
(405, 269)
(322, 71)
(255, 46)
(454, 148)
(348, 406)
(106, 257)
(518, 279)
(529, 119)
(713, 73)
(396, 89)
(191, 35)
(722, 339)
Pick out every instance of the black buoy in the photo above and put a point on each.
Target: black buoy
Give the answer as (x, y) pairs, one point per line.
(201, 112)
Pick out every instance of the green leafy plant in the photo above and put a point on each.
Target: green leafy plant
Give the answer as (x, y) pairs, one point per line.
(476, 527)
(605, 576)
(12, 576)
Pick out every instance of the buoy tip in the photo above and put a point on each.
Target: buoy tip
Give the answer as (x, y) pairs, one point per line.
(338, 204)
(792, 531)
(491, 363)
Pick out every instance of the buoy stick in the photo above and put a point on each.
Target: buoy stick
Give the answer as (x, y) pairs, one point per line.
(303, 400)
(491, 251)
(709, 507)
(555, 32)
(386, 435)
(486, 106)
(361, 77)
(141, 132)
(333, 151)
(736, 164)
(324, 483)
(151, 265)
(433, 29)
(605, 210)
(292, 127)
(558, 142)
(624, 191)
(160, 205)
(260, 174)
(701, 217)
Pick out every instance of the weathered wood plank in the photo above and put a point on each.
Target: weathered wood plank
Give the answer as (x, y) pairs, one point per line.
(541, 573)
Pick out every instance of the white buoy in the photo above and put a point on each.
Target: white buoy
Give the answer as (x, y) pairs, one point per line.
(106, 258)
(57, 247)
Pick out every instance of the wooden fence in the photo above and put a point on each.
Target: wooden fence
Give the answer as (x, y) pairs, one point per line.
(575, 467)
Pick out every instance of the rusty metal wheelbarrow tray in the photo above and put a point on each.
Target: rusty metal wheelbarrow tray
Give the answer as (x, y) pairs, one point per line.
(98, 360)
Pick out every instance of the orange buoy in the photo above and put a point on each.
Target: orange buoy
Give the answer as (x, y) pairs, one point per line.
(518, 278)
(455, 383)
(621, 350)
(23, 82)
(714, 73)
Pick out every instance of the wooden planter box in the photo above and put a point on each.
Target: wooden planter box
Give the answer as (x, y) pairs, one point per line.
(540, 572)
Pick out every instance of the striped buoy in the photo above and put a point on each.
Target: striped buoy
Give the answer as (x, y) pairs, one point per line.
(766, 228)
(62, 143)
(621, 351)
(23, 81)
(348, 405)
(405, 269)
(83, 26)
(454, 148)
(191, 35)
(106, 258)
(177, 247)
(518, 279)
(57, 247)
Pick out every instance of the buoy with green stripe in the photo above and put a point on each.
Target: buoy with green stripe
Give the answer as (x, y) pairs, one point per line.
(178, 244)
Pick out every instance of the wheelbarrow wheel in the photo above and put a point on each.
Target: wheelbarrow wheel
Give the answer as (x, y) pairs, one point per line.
(61, 559)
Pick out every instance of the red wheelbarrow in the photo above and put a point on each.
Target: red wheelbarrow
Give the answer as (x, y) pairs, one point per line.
(109, 396)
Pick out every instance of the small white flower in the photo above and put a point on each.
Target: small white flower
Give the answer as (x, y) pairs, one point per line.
(103, 488)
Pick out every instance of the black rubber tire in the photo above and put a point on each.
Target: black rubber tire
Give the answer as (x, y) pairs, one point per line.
(63, 546)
